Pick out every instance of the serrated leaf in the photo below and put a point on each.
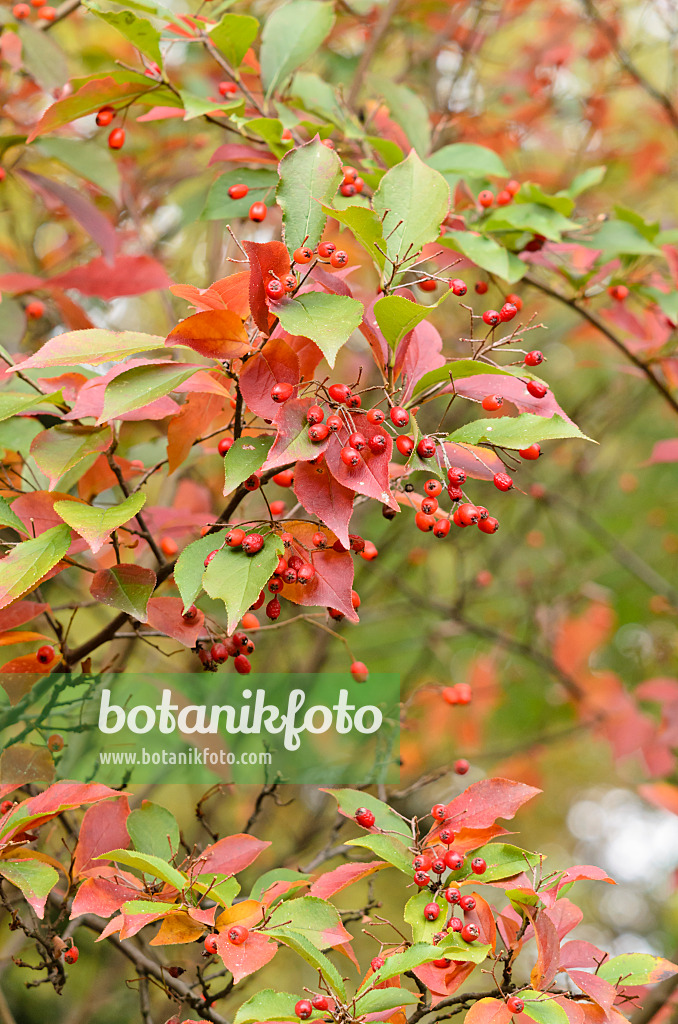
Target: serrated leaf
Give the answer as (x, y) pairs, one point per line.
(516, 431)
(149, 865)
(237, 579)
(365, 226)
(88, 95)
(260, 181)
(380, 999)
(9, 518)
(292, 34)
(534, 217)
(221, 888)
(133, 389)
(397, 964)
(30, 560)
(423, 930)
(245, 456)
(308, 952)
(139, 31)
(397, 316)
(316, 919)
(328, 320)
(468, 160)
(190, 567)
(125, 587)
(389, 849)
(309, 176)
(233, 35)
(97, 524)
(460, 368)
(385, 818)
(486, 253)
(543, 1008)
(637, 969)
(270, 1005)
(62, 447)
(503, 861)
(412, 201)
(153, 830)
(531, 193)
(90, 347)
(14, 402)
(34, 878)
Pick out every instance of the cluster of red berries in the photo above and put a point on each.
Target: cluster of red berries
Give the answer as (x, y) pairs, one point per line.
(258, 209)
(236, 935)
(305, 1007)
(351, 183)
(238, 646)
(460, 693)
(116, 138)
(465, 513)
(22, 11)
(487, 198)
(326, 252)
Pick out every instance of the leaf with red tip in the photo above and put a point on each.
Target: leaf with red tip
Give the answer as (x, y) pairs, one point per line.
(103, 828)
(229, 855)
(125, 587)
(95, 524)
(28, 562)
(267, 260)
(61, 796)
(275, 363)
(548, 949)
(89, 348)
(371, 475)
(104, 896)
(87, 96)
(20, 613)
(333, 581)
(483, 802)
(579, 953)
(292, 442)
(217, 334)
(599, 990)
(34, 878)
(488, 1011)
(323, 496)
(255, 952)
(64, 446)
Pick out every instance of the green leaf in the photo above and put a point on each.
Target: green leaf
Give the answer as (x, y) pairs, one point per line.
(244, 457)
(154, 830)
(516, 431)
(412, 201)
(34, 878)
(468, 161)
(148, 907)
(233, 36)
(315, 918)
(385, 818)
(64, 446)
(136, 388)
(148, 864)
(292, 34)
(486, 253)
(91, 347)
(270, 1005)
(543, 1008)
(144, 36)
(667, 301)
(328, 320)
(237, 579)
(42, 58)
(276, 875)
(620, 238)
(534, 217)
(647, 229)
(89, 94)
(308, 952)
(96, 524)
(397, 316)
(14, 402)
(418, 954)
(190, 566)
(319, 97)
(87, 160)
(531, 193)
(389, 849)
(309, 176)
(423, 930)
(261, 183)
(636, 969)
(587, 179)
(408, 111)
(198, 106)
(389, 151)
(29, 561)
(270, 129)
(459, 368)
(503, 861)
(125, 587)
(221, 888)
(365, 226)
(380, 999)
(456, 949)
(9, 518)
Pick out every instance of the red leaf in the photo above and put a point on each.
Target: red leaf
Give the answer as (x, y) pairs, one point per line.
(165, 614)
(255, 952)
(332, 584)
(443, 981)
(191, 422)
(20, 613)
(511, 388)
(229, 855)
(371, 475)
(485, 801)
(292, 441)
(129, 275)
(103, 829)
(61, 796)
(565, 916)
(266, 259)
(104, 896)
(488, 1011)
(217, 334)
(468, 838)
(308, 353)
(548, 949)
(85, 100)
(18, 283)
(234, 153)
(97, 226)
(323, 496)
(662, 794)
(418, 352)
(275, 363)
(343, 876)
(664, 451)
(581, 954)
(574, 1011)
(161, 114)
(90, 400)
(483, 917)
(234, 291)
(599, 990)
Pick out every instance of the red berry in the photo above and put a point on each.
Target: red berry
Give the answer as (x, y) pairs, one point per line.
(290, 282)
(375, 416)
(285, 478)
(618, 292)
(454, 860)
(467, 903)
(275, 289)
(452, 895)
(370, 551)
(339, 393)
(478, 866)
(273, 608)
(531, 453)
(325, 250)
(481, 287)
(350, 174)
(429, 506)
(442, 963)
(515, 300)
(116, 139)
(318, 432)
(423, 522)
(489, 525)
(235, 537)
(485, 198)
(71, 955)
(319, 540)
(433, 488)
(191, 614)
(347, 188)
(439, 867)
(515, 1005)
(339, 258)
(357, 441)
(6, 806)
(431, 911)
(359, 184)
(504, 197)
(55, 742)
(225, 444)
(426, 448)
(282, 391)
(364, 817)
(105, 116)
(349, 456)
(253, 483)
(461, 766)
(492, 402)
(219, 653)
(507, 312)
(377, 963)
(464, 693)
(227, 88)
(47, 14)
(441, 528)
(537, 389)
(456, 476)
(238, 191)
(534, 358)
(335, 423)
(399, 417)
(405, 445)
(512, 186)
(421, 878)
(45, 655)
(315, 414)
(241, 663)
(303, 1009)
(302, 255)
(469, 932)
(21, 11)
(237, 934)
(359, 671)
(439, 812)
(502, 481)
(468, 514)
(458, 286)
(428, 284)
(378, 443)
(252, 543)
(491, 317)
(257, 212)
(210, 944)
(320, 1003)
